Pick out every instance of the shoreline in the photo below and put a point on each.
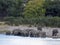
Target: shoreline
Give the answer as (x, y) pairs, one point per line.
(48, 30)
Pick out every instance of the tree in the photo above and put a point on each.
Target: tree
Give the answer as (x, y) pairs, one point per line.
(10, 8)
(34, 8)
(52, 8)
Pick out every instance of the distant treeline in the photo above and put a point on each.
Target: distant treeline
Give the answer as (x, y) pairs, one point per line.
(34, 12)
(10, 8)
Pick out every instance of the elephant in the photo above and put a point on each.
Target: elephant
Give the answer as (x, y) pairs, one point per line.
(8, 32)
(54, 32)
(32, 33)
(25, 33)
(28, 32)
(20, 32)
(39, 28)
(42, 34)
(36, 33)
(17, 32)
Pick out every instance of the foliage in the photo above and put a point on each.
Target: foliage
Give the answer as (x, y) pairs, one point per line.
(41, 21)
(36, 12)
(10, 8)
(52, 8)
(34, 8)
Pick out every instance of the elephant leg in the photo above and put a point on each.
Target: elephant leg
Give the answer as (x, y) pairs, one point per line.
(27, 35)
(55, 34)
(37, 35)
(31, 35)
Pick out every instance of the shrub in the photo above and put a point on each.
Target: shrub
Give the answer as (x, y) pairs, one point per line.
(41, 21)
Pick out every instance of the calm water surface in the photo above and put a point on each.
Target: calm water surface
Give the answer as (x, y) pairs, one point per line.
(16, 40)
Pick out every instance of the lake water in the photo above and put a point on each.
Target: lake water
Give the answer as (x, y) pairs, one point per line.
(17, 40)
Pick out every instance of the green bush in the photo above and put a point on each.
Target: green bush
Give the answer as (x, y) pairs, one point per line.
(41, 21)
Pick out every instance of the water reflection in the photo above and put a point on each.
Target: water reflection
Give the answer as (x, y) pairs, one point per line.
(15, 40)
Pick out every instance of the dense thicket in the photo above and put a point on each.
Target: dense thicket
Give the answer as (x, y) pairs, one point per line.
(42, 21)
(34, 8)
(35, 12)
(52, 8)
(10, 8)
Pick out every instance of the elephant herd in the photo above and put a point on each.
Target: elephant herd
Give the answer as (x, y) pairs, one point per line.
(31, 32)
(27, 33)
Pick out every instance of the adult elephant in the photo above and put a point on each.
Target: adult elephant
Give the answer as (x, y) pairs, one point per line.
(54, 32)
(34, 33)
(28, 32)
(37, 33)
(20, 32)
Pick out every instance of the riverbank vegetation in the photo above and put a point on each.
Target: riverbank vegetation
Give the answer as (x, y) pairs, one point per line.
(42, 21)
(32, 12)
